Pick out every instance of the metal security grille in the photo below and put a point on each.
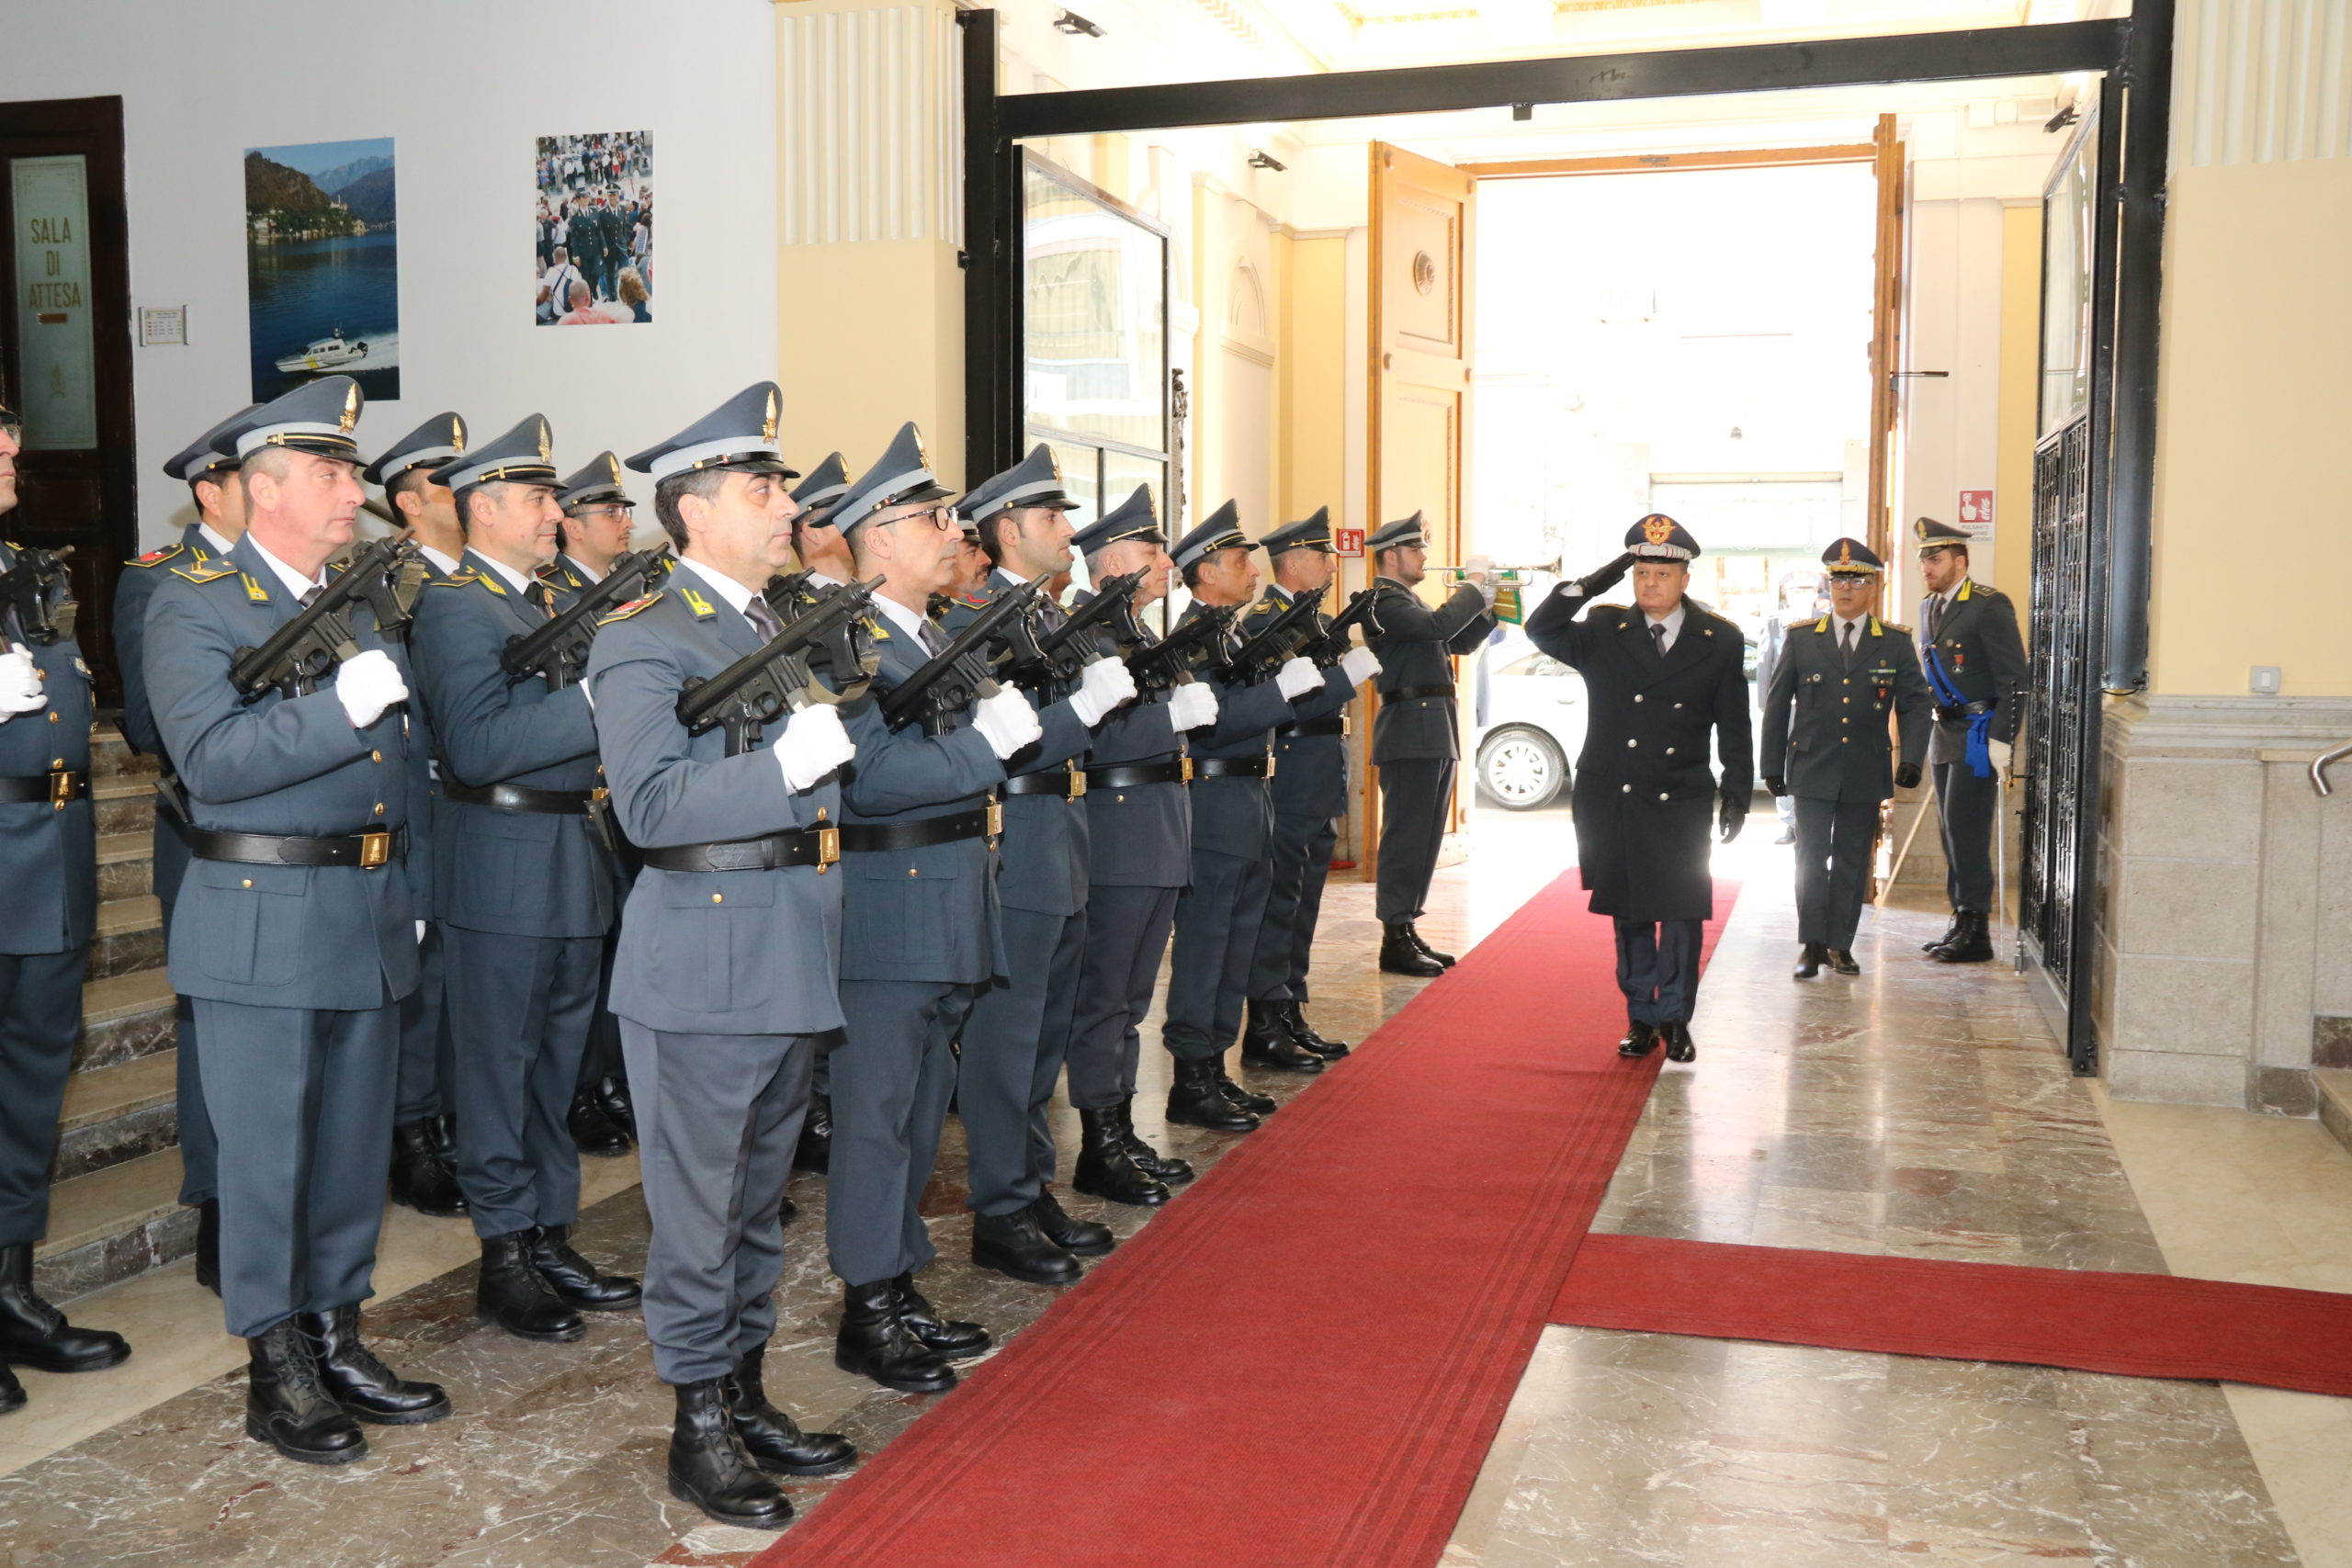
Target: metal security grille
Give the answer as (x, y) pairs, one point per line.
(2063, 558)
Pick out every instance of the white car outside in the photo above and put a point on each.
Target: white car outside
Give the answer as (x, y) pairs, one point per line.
(1528, 716)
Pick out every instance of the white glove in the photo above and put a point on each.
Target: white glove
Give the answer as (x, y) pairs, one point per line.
(20, 684)
(1191, 705)
(366, 684)
(1999, 751)
(1105, 686)
(813, 744)
(420, 931)
(1007, 721)
(1359, 665)
(1297, 678)
(1479, 570)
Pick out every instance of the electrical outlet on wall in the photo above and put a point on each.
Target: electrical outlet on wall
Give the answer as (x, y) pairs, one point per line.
(2264, 680)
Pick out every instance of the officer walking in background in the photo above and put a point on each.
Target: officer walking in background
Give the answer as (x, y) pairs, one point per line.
(1659, 674)
(1802, 601)
(1414, 743)
(1824, 741)
(1975, 663)
(49, 863)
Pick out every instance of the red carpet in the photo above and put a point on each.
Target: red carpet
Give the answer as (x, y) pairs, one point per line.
(2150, 1325)
(1304, 1358)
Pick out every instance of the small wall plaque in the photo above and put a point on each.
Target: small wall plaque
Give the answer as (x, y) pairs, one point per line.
(163, 324)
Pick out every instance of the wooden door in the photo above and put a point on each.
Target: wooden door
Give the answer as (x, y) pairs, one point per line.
(65, 349)
(1423, 238)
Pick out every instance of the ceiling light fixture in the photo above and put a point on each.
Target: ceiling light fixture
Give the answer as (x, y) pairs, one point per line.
(1264, 160)
(1073, 23)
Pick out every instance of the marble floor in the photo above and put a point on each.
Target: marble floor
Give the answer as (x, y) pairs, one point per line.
(1915, 1110)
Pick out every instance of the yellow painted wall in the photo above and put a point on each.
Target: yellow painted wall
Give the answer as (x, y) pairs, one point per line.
(2254, 465)
(1314, 359)
(2012, 560)
(872, 336)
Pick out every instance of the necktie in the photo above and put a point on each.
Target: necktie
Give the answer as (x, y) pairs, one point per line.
(763, 619)
(541, 599)
(311, 595)
(1936, 618)
(934, 641)
(1850, 642)
(1657, 639)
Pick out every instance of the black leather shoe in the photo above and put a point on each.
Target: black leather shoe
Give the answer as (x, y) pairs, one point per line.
(1014, 1245)
(1195, 1099)
(1843, 962)
(287, 1408)
(1309, 1039)
(1079, 1238)
(1150, 1161)
(12, 1392)
(1258, 1105)
(946, 1337)
(1400, 954)
(709, 1468)
(874, 1343)
(422, 1177)
(576, 1282)
(773, 1440)
(816, 1150)
(1679, 1045)
(35, 1333)
(1641, 1039)
(513, 1296)
(1107, 1169)
(1266, 1043)
(787, 1213)
(593, 1132)
(445, 1136)
(358, 1381)
(1809, 962)
(208, 1245)
(1972, 944)
(1413, 934)
(1950, 931)
(612, 1093)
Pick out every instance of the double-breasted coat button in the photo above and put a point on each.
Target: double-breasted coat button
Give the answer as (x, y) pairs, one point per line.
(1637, 697)
(1661, 794)
(1631, 741)
(1629, 789)
(718, 897)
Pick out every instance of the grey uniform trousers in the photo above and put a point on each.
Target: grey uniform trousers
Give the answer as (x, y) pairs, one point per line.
(1299, 863)
(602, 1059)
(519, 1008)
(1657, 969)
(425, 1083)
(1967, 806)
(40, 1013)
(1014, 1044)
(1216, 938)
(718, 1117)
(892, 1074)
(1415, 793)
(301, 1099)
(199, 1145)
(1126, 932)
(1833, 841)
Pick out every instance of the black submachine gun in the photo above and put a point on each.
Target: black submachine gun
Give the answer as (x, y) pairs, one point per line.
(558, 651)
(1063, 654)
(761, 687)
(1169, 661)
(964, 671)
(41, 593)
(302, 655)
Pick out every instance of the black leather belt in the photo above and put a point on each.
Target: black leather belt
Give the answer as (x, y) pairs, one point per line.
(1234, 768)
(519, 798)
(1414, 694)
(1961, 715)
(368, 850)
(820, 847)
(56, 788)
(869, 838)
(1335, 725)
(1069, 783)
(1139, 773)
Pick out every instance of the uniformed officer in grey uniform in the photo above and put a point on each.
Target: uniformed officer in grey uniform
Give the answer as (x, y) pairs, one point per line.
(725, 974)
(1233, 825)
(1824, 741)
(1658, 675)
(424, 1151)
(1016, 1037)
(1310, 787)
(1139, 817)
(212, 478)
(529, 892)
(1975, 662)
(49, 863)
(296, 931)
(1414, 743)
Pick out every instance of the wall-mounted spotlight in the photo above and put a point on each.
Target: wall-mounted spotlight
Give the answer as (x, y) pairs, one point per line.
(1522, 111)
(1264, 160)
(1071, 22)
(2060, 120)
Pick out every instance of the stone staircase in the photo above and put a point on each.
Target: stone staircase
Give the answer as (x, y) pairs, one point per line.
(114, 1192)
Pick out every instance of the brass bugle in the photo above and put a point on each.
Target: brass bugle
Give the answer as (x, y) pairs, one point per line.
(1550, 567)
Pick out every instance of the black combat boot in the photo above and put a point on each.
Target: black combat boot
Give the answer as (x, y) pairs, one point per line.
(1400, 954)
(286, 1406)
(513, 1296)
(1195, 1100)
(422, 1177)
(1081, 1238)
(1266, 1042)
(1015, 1246)
(1842, 962)
(12, 1392)
(1413, 934)
(1641, 1039)
(1679, 1044)
(874, 1343)
(612, 1093)
(1309, 1039)
(816, 1150)
(35, 1333)
(593, 1132)
(1809, 962)
(773, 1440)
(1950, 931)
(1105, 1168)
(576, 1282)
(358, 1381)
(946, 1337)
(709, 1468)
(208, 1245)
(1150, 1161)
(1258, 1105)
(1972, 943)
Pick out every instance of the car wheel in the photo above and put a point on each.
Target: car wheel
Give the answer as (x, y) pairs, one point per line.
(1522, 770)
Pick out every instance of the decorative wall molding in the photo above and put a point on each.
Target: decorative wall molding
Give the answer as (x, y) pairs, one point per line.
(871, 122)
(2261, 82)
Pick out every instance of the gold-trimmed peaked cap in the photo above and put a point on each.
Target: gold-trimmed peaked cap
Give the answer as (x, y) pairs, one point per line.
(1935, 536)
(1035, 480)
(1851, 558)
(200, 458)
(1307, 534)
(901, 476)
(1134, 518)
(740, 433)
(524, 455)
(1222, 531)
(1660, 537)
(598, 484)
(430, 445)
(317, 417)
(826, 483)
(1402, 534)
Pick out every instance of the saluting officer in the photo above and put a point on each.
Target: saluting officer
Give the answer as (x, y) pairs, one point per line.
(1659, 674)
(1018, 1032)
(48, 851)
(528, 896)
(299, 937)
(1414, 743)
(1825, 742)
(1309, 788)
(1975, 666)
(725, 978)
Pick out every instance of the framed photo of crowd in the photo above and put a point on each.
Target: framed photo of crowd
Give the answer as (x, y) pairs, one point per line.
(594, 225)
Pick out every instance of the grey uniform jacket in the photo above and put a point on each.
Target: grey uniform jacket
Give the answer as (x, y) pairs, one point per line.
(1310, 771)
(708, 952)
(1234, 816)
(429, 869)
(48, 857)
(1413, 645)
(326, 937)
(1985, 657)
(1825, 720)
(515, 873)
(132, 591)
(1141, 834)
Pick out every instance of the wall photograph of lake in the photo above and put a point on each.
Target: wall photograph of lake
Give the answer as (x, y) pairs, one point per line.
(322, 265)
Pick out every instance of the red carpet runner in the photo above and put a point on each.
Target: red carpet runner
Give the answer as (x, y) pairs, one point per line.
(2149, 1325)
(1304, 1358)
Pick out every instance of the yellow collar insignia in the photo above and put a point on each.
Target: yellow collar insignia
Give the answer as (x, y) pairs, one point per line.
(698, 604)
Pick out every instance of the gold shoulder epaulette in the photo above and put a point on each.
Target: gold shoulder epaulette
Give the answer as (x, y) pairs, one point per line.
(626, 611)
(156, 558)
(1897, 626)
(456, 579)
(469, 575)
(204, 571)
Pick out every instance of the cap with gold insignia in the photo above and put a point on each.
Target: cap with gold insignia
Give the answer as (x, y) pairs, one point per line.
(739, 434)
(316, 417)
(1851, 558)
(524, 455)
(598, 484)
(1035, 480)
(1660, 537)
(1309, 534)
(1221, 532)
(1935, 536)
(430, 445)
(199, 457)
(902, 476)
(1397, 535)
(1134, 518)
(826, 483)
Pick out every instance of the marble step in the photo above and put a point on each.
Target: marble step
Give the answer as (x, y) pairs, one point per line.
(2334, 1087)
(125, 1016)
(131, 936)
(126, 864)
(117, 1114)
(124, 804)
(113, 1224)
(112, 758)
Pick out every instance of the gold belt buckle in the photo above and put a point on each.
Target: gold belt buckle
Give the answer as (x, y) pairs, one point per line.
(1188, 769)
(1269, 761)
(62, 784)
(1077, 782)
(996, 820)
(1347, 724)
(829, 848)
(375, 849)
(600, 793)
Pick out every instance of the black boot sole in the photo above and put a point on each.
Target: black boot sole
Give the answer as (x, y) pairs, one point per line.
(42, 1361)
(436, 1212)
(424, 1418)
(1103, 1248)
(685, 1493)
(1964, 955)
(778, 1467)
(1209, 1124)
(261, 1434)
(1308, 1068)
(1150, 1197)
(855, 1366)
(631, 1303)
(577, 1331)
(1420, 969)
(12, 1400)
(1004, 1264)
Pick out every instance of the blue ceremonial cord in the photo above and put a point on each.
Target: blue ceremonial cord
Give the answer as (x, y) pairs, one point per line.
(1979, 726)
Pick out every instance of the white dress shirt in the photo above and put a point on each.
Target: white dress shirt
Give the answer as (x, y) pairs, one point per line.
(1671, 621)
